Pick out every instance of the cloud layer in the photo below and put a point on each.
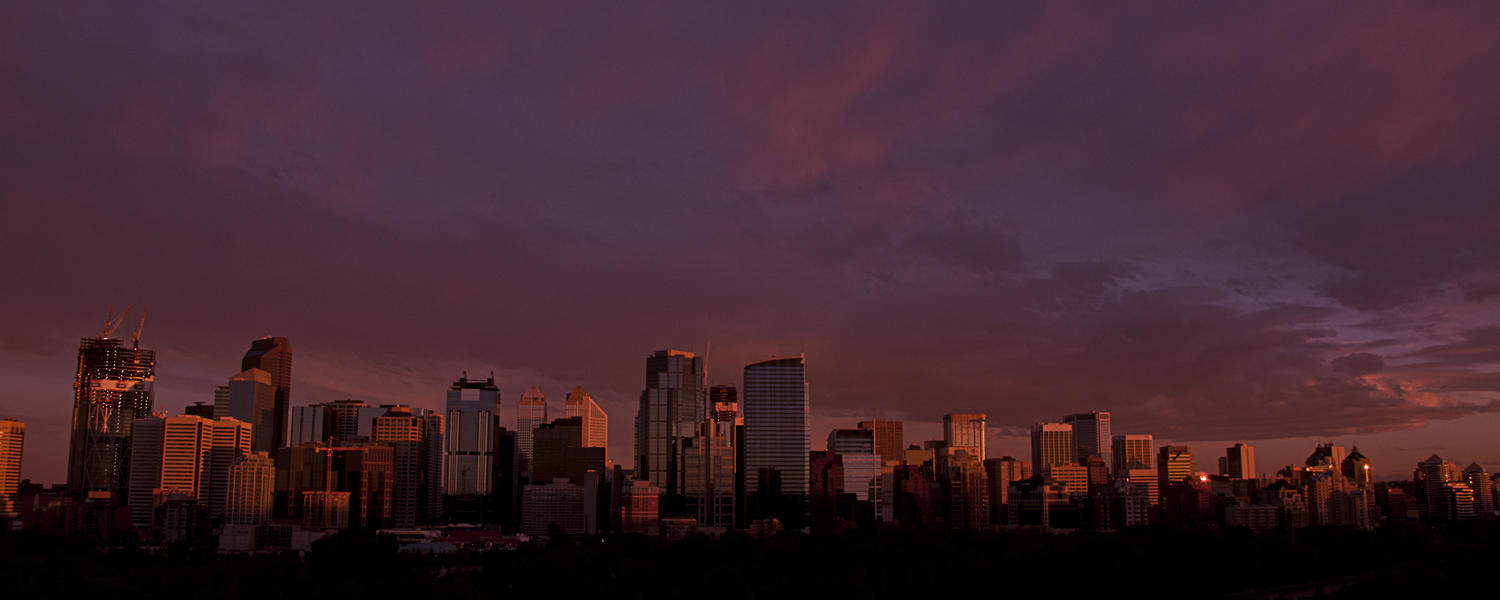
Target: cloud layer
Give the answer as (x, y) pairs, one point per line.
(1218, 222)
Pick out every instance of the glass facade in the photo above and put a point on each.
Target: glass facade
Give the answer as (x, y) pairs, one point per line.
(777, 441)
(469, 440)
(668, 447)
(112, 388)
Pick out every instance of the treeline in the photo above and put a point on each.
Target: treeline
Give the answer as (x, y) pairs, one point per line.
(1412, 561)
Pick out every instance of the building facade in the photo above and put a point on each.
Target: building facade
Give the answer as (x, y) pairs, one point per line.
(112, 387)
(274, 356)
(580, 403)
(777, 441)
(469, 449)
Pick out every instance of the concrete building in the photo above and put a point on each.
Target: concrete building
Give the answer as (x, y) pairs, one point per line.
(580, 403)
(469, 450)
(531, 412)
(251, 483)
(889, 441)
(12, 442)
(1051, 446)
(557, 504)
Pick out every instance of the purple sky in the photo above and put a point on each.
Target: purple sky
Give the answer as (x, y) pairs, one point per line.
(1220, 222)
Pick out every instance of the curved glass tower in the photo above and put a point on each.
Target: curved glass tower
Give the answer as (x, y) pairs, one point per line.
(776, 440)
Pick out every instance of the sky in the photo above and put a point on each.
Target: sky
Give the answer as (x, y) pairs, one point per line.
(1222, 222)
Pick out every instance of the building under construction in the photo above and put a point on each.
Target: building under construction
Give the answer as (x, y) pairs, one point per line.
(112, 388)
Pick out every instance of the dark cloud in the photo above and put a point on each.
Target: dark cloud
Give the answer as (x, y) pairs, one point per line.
(1193, 217)
(1358, 363)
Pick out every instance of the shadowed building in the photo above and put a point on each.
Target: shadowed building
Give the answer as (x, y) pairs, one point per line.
(777, 441)
(965, 432)
(1239, 462)
(1091, 435)
(469, 449)
(251, 397)
(1173, 464)
(274, 356)
(251, 487)
(671, 412)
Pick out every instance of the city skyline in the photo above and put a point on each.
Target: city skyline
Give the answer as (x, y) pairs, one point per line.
(1270, 224)
(1011, 443)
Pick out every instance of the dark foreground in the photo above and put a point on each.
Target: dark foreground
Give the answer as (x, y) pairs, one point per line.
(1409, 561)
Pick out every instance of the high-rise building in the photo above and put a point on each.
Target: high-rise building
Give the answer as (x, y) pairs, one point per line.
(342, 422)
(1239, 462)
(251, 481)
(721, 442)
(1357, 468)
(999, 473)
(1091, 434)
(274, 356)
(851, 441)
(639, 511)
(184, 456)
(560, 453)
(889, 443)
(1479, 481)
(965, 432)
(558, 504)
(309, 424)
(1052, 446)
(777, 440)
(469, 453)
(1132, 451)
(417, 440)
(580, 403)
(1173, 465)
(251, 397)
(229, 439)
(668, 446)
(111, 389)
(531, 412)
(12, 440)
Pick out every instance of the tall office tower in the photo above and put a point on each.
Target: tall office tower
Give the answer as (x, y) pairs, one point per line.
(251, 397)
(672, 409)
(1479, 482)
(1239, 462)
(309, 424)
(1327, 454)
(1052, 446)
(889, 443)
(531, 412)
(111, 389)
(721, 443)
(1173, 464)
(251, 480)
(580, 403)
(469, 442)
(416, 439)
(145, 468)
(999, 473)
(170, 456)
(1357, 468)
(1132, 451)
(12, 440)
(273, 355)
(965, 432)
(560, 453)
(1091, 435)
(229, 440)
(851, 441)
(777, 440)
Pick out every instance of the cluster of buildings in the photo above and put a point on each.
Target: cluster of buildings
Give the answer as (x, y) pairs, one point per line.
(251, 472)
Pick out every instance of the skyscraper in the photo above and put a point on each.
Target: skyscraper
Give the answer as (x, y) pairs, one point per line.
(1173, 464)
(721, 443)
(273, 355)
(531, 412)
(1479, 481)
(111, 389)
(469, 443)
(1091, 434)
(12, 440)
(250, 482)
(251, 397)
(1239, 462)
(851, 441)
(965, 432)
(1132, 451)
(1052, 446)
(672, 409)
(580, 403)
(417, 441)
(777, 441)
(889, 443)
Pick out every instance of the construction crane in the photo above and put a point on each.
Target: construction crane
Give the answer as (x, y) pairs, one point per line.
(112, 321)
(135, 341)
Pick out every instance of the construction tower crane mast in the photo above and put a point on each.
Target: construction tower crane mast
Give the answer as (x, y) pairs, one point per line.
(135, 341)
